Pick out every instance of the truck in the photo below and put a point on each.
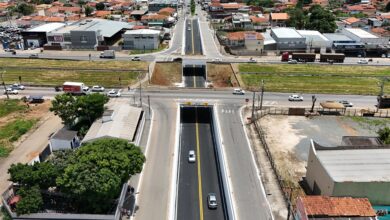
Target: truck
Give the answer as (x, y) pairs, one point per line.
(332, 57)
(75, 88)
(304, 57)
(285, 56)
(110, 54)
(384, 101)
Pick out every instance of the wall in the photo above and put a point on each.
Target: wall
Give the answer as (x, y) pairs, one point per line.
(56, 144)
(147, 42)
(89, 40)
(377, 192)
(254, 45)
(317, 173)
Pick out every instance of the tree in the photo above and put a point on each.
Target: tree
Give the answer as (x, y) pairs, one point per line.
(387, 8)
(31, 200)
(98, 172)
(321, 20)
(25, 8)
(88, 10)
(384, 135)
(100, 6)
(297, 18)
(65, 107)
(42, 174)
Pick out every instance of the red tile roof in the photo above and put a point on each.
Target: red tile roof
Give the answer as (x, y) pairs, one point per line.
(337, 206)
(241, 35)
(154, 17)
(168, 11)
(102, 14)
(70, 9)
(351, 20)
(55, 19)
(255, 19)
(279, 16)
(231, 5)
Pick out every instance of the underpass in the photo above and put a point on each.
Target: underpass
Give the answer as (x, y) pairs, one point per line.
(198, 179)
(194, 74)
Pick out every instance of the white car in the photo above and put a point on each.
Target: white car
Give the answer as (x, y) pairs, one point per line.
(295, 97)
(114, 93)
(251, 60)
(11, 91)
(17, 86)
(136, 59)
(362, 61)
(97, 89)
(238, 92)
(191, 156)
(212, 201)
(217, 60)
(292, 62)
(346, 103)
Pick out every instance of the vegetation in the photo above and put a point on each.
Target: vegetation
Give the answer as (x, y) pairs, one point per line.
(387, 8)
(88, 11)
(316, 18)
(13, 130)
(308, 78)
(193, 7)
(24, 8)
(261, 3)
(100, 6)
(86, 109)
(8, 106)
(91, 176)
(384, 135)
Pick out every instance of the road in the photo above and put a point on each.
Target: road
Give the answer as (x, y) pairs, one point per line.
(193, 42)
(194, 76)
(198, 179)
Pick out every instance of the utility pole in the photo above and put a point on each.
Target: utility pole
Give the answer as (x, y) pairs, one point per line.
(149, 107)
(262, 94)
(253, 107)
(5, 88)
(140, 92)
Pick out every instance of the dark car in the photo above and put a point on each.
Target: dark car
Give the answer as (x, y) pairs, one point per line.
(35, 99)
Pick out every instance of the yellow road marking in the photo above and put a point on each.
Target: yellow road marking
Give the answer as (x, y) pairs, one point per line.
(199, 170)
(193, 72)
(192, 32)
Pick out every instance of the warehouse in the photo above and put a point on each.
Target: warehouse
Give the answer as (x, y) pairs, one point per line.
(362, 36)
(315, 40)
(341, 43)
(359, 168)
(288, 39)
(142, 39)
(36, 37)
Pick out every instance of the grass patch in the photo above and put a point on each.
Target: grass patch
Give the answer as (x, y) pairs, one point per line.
(331, 79)
(10, 106)
(166, 74)
(58, 77)
(71, 64)
(371, 123)
(13, 130)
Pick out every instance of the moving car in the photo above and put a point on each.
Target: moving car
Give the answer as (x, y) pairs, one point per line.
(191, 156)
(292, 62)
(346, 103)
(188, 28)
(295, 97)
(238, 92)
(97, 89)
(212, 201)
(33, 56)
(17, 86)
(217, 60)
(136, 59)
(11, 91)
(114, 93)
(362, 61)
(251, 60)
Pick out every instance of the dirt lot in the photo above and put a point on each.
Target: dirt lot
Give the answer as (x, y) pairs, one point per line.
(288, 138)
(167, 74)
(220, 74)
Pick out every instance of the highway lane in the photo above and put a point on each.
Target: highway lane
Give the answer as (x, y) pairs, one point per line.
(193, 44)
(194, 76)
(197, 38)
(197, 180)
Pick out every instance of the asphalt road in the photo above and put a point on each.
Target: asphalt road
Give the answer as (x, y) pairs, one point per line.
(198, 179)
(194, 76)
(193, 44)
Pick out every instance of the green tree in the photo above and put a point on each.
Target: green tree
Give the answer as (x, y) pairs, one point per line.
(384, 135)
(88, 10)
(42, 174)
(321, 20)
(297, 18)
(24, 8)
(98, 171)
(91, 107)
(192, 7)
(387, 8)
(100, 6)
(31, 200)
(65, 106)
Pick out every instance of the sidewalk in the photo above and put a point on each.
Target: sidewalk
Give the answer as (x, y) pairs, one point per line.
(30, 147)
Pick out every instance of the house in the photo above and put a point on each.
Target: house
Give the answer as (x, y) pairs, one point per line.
(137, 14)
(155, 20)
(157, 5)
(231, 7)
(374, 22)
(247, 42)
(359, 168)
(142, 39)
(64, 139)
(353, 22)
(167, 11)
(101, 14)
(278, 19)
(241, 21)
(356, 9)
(325, 207)
(260, 22)
(288, 39)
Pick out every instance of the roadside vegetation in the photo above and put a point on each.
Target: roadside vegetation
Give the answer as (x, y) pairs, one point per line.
(306, 78)
(167, 74)
(10, 106)
(193, 7)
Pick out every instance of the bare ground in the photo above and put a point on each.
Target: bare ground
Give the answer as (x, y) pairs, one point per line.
(167, 74)
(220, 74)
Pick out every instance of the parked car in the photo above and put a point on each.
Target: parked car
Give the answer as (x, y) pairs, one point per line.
(113, 93)
(295, 97)
(362, 61)
(217, 60)
(238, 92)
(212, 201)
(346, 103)
(35, 99)
(11, 91)
(191, 156)
(97, 88)
(292, 62)
(33, 56)
(136, 59)
(17, 86)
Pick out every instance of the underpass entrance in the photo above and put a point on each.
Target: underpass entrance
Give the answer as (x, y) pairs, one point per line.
(194, 74)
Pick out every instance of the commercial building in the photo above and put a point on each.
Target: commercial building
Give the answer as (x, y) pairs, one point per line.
(288, 39)
(359, 168)
(142, 39)
(245, 43)
(369, 40)
(341, 43)
(315, 40)
(332, 208)
(37, 36)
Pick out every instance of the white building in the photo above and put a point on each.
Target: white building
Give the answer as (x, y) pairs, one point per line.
(362, 36)
(288, 39)
(64, 139)
(315, 40)
(143, 39)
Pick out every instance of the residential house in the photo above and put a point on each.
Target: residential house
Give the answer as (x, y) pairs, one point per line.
(216, 11)
(64, 139)
(101, 14)
(353, 22)
(231, 7)
(157, 5)
(154, 20)
(278, 19)
(325, 207)
(167, 11)
(260, 22)
(245, 42)
(69, 10)
(137, 14)
(374, 22)
(241, 21)
(356, 9)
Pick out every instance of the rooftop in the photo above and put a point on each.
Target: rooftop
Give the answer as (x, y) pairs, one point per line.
(312, 35)
(142, 31)
(122, 124)
(241, 35)
(64, 134)
(279, 16)
(322, 206)
(286, 33)
(337, 37)
(107, 28)
(352, 164)
(47, 27)
(351, 20)
(360, 33)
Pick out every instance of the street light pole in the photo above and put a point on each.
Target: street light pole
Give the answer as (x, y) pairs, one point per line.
(262, 94)
(140, 92)
(5, 88)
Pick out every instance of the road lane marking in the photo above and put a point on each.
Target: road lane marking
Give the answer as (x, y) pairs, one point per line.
(199, 170)
(192, 32)
(193, 74)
